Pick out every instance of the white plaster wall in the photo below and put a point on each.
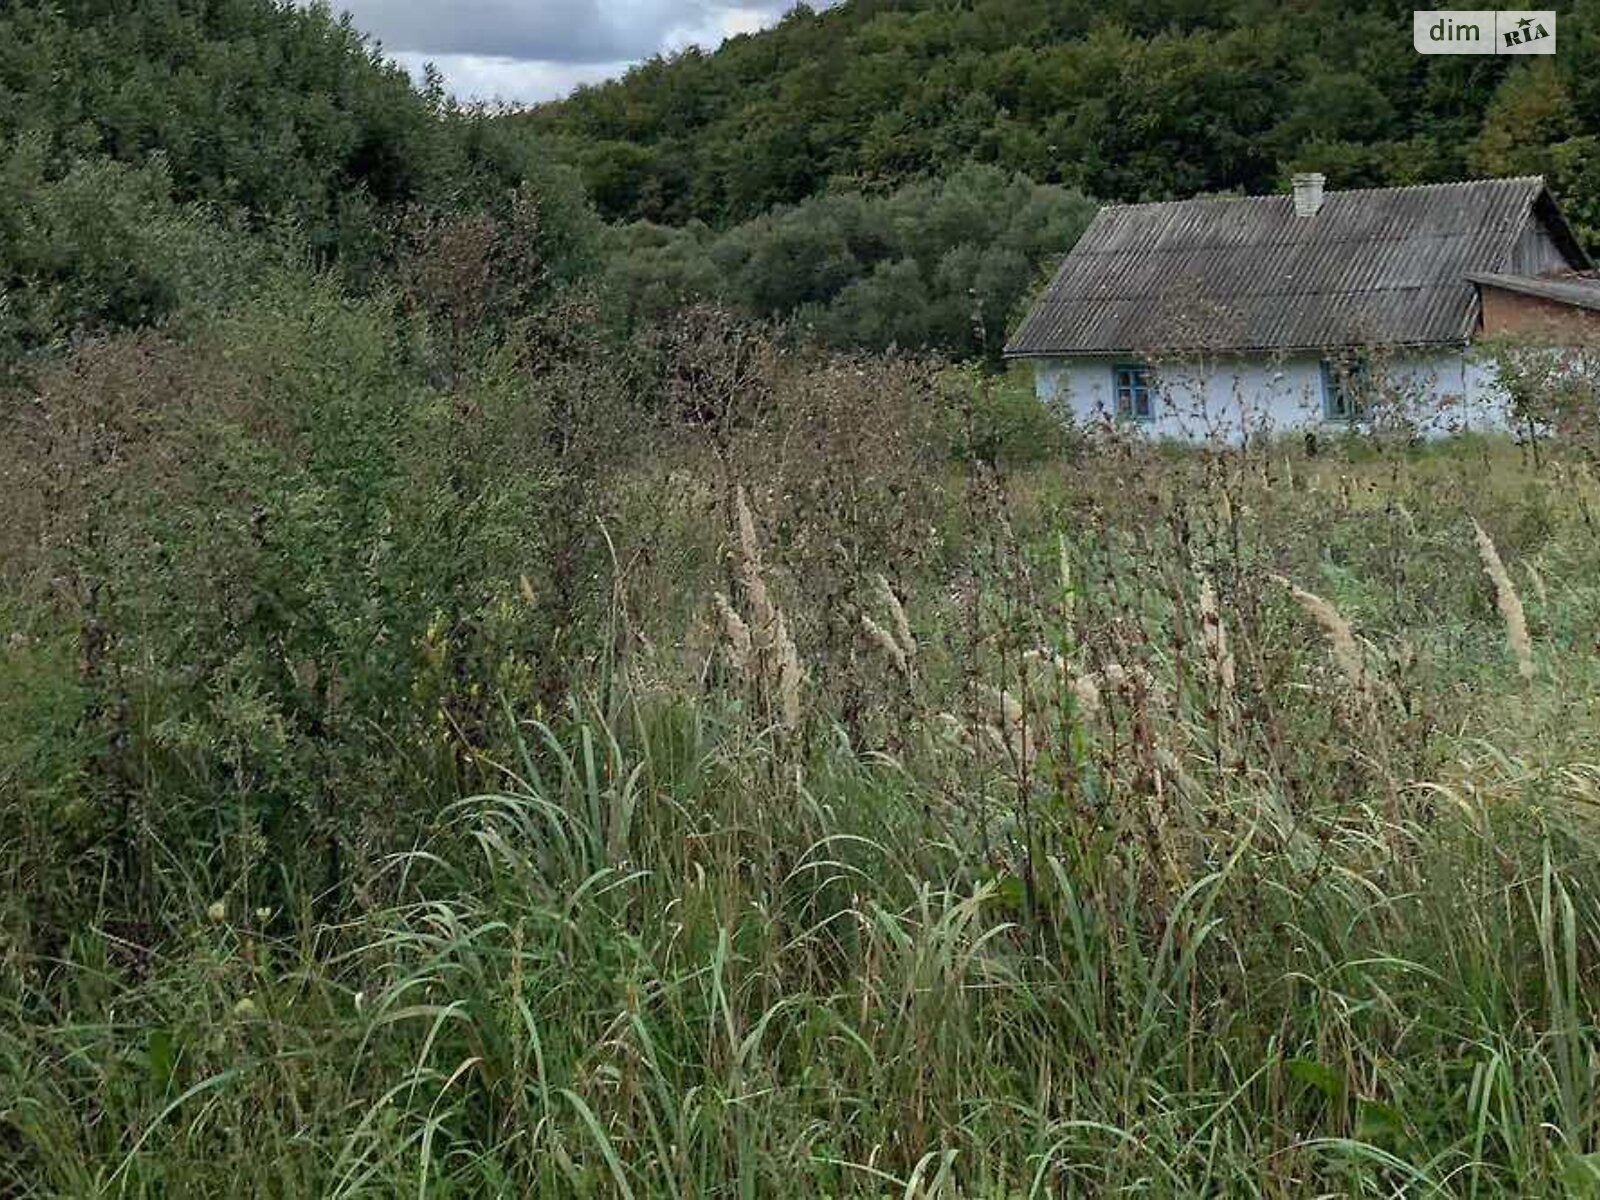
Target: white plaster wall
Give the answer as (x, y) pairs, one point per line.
(1228, 399)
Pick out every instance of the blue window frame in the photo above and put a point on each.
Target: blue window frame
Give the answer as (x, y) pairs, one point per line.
(1344, 389)
(1132, 386)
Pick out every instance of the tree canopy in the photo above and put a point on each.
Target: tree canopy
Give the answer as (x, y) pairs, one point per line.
(1122, 99)
(146, 144)
(938, 264)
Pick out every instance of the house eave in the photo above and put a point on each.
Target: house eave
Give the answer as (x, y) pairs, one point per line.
(1455, 343)
(1554, 290)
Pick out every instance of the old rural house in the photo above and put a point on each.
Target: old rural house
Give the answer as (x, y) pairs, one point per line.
(1224, 318)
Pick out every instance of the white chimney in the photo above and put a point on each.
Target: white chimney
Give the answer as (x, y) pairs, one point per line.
(1308, 193)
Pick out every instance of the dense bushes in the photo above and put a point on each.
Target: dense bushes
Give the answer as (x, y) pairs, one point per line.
(280, 544)
(104, 246)
(308, 551)
(258, 106)
(943, 265)
(141, 142)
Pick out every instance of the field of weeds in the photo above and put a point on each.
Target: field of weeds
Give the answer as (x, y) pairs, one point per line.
(822, 787)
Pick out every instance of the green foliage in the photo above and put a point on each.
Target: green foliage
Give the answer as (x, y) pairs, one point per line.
(139, 141)
(1551, 388)
(942, 265)
(1542, 121)
(1124, 101)
(105, 246)
(288, 545)
(999, 420)
(267, 107)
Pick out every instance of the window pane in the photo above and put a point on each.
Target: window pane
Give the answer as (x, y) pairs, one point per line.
(1133, 392)
(1343, 384)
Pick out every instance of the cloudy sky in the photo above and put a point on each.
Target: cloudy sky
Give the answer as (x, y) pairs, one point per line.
(527, 50)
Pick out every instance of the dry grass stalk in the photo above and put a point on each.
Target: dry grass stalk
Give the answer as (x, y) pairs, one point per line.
(1085, 689)
(762, 613)
(1086, 692)
(760, 649)
(789, 675)
(1215, 635)
(736, 633)
(885, 641)
(1337, 632)
(1049, 657)
(1508, 602)
(895, 640)
(1089, 690)
(1008, 727)
(1411, 521)
(902, 626)
(1069, 592)
(1131, 682)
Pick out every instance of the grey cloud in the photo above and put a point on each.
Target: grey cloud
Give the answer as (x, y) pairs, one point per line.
(551, 31)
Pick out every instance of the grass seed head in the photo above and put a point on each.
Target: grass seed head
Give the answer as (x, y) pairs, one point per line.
(1337, 632)
(902, 626)
(789, 676)
(885, 641)
(1216, 638)
(736, 634)
(1507, 601)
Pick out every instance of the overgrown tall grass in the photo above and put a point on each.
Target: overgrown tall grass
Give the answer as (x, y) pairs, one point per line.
(400, 810)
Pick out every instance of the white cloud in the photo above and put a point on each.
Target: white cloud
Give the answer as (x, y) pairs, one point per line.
(713, 28)
(523, 51)
(475, 77)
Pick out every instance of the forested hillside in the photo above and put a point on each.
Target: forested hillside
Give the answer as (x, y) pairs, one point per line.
(150, 150)
(1121, 99)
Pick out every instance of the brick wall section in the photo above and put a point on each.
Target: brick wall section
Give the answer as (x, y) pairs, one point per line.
(1507, 312)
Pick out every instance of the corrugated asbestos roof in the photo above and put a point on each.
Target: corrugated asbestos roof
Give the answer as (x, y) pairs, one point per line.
(1378, 266)
(1582, 291)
